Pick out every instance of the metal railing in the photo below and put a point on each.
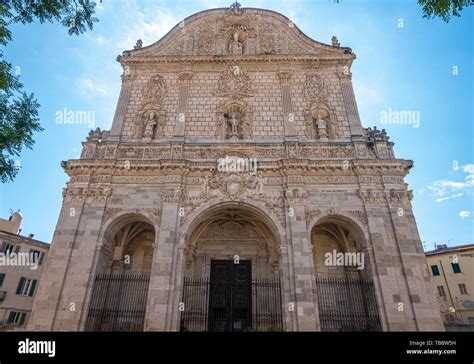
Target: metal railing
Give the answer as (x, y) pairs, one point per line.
(231, 306)
(118, 303)
(347, 304)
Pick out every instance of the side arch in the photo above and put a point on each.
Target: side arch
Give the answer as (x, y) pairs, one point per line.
(347, 285)
(122, 268)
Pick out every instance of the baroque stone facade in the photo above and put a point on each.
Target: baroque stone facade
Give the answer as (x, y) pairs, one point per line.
(245, 84)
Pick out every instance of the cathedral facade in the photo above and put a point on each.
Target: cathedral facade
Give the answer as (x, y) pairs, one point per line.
(236, 190)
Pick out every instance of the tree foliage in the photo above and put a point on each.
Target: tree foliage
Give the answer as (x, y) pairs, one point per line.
(444, 9)
(19, 119)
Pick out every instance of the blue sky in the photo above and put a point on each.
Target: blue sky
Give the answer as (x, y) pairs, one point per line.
(404, 63)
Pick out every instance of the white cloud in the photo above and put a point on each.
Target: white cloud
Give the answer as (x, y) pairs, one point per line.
(100, 40)
(446, 189)
(469, 168)
(149, 26)
(441, 199)
(464, 214)
(89, 87)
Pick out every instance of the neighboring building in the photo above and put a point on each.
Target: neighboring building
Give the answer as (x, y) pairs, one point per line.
(168, 223)
(452, 274)
(21, 264)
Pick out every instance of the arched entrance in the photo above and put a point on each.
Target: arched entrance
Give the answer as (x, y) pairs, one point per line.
(346, 293)
(118, 300)
(232, 273)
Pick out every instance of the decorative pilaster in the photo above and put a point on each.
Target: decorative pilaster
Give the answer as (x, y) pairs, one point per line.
(122, 104)
(355, 125)
(61, 297)
(184, 80)
(288, 115)
(162, 310)
(420, 293)
(304, 312)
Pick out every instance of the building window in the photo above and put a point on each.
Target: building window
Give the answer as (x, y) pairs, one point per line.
(26, 287)
(7, 248)
(441, 292)
(462, 288)
(435, 270)
(2, 278)
(456, 267)
(16, 318)
(36, 256)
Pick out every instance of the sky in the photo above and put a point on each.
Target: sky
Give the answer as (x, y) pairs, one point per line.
(405, 65)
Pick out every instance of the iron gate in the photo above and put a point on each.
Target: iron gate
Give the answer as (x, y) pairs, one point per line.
(265, 313)
(347, 304)
(118, 303)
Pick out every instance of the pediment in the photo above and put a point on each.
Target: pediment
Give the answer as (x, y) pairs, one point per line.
(229, 33)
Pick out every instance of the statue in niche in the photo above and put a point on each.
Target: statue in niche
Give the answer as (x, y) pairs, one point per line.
(246, 129)
(236, 47)
(221, 127)
(323, 125)
(321, 128)
(332, 129)
(150, 124)
(234, 126)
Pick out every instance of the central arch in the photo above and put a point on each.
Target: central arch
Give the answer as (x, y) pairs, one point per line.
(231, 279)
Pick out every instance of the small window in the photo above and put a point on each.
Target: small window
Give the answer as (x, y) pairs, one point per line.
(16, 318)
(35, 255)
(8, 248)
(435, 270)
(26, 287)
(2, 278)
(462, 288)
(456, 267)
(441, 292)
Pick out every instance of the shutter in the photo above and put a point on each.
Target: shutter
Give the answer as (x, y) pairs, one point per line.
(20, 285)
(17, 249)
(41, 258)
(2, 247)
(32, 288)
(22, 318)
(2, 278)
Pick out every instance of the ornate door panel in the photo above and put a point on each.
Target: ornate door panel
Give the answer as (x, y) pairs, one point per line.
(230, 296)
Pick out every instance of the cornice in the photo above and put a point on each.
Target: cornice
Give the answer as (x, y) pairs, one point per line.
(264, 58)
(286, 166)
